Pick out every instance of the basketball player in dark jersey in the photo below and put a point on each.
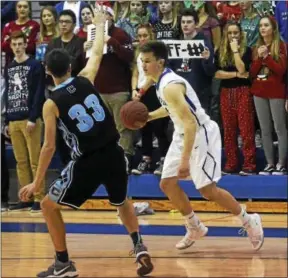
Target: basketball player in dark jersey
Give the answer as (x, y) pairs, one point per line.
(76, 108)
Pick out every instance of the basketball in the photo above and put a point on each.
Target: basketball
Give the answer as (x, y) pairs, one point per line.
(134, 114)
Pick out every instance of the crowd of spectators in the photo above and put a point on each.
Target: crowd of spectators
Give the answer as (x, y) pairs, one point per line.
(241, 80)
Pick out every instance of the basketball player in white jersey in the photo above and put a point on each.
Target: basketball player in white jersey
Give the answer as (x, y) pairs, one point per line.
(195, 149)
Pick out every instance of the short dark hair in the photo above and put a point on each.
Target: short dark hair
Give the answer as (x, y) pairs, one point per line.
(18, 35)
(158, 49)
(70, 13)
(190, 12)
(58, 62)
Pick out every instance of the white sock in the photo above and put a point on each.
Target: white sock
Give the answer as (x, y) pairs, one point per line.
(244, 216)
(192, 220)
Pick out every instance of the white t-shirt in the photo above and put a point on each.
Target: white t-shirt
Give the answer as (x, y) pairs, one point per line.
(75, 7)
(169, 77)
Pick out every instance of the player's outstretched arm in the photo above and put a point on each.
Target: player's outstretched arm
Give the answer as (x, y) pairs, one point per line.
(157, 114)
(50, 114)
(94, 61)
(175, 98)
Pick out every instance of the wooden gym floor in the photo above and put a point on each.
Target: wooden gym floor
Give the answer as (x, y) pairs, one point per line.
(99, 245)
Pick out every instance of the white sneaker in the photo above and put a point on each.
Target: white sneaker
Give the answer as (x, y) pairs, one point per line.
(255, 231)
(192, 234)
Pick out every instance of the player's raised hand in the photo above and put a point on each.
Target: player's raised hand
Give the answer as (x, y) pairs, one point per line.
(99, 15)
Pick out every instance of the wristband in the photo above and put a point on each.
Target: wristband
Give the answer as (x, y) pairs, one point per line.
(141, 92)
(236, 52)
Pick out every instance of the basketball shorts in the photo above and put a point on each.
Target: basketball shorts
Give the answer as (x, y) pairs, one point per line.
(81, 178)
(205, 161)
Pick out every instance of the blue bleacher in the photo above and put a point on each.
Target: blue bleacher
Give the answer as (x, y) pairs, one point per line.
(147, 186)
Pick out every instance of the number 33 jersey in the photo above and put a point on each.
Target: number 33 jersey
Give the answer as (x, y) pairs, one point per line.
(84, 121)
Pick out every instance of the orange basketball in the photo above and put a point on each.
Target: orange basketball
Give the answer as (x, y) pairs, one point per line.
(134, 114)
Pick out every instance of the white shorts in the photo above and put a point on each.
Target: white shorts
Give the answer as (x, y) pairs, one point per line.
(205, 161)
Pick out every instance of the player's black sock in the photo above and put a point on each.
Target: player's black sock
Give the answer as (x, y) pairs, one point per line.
(136, 238)
(62, 256)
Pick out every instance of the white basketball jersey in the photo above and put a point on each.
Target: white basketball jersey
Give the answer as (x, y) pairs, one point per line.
(170, 77)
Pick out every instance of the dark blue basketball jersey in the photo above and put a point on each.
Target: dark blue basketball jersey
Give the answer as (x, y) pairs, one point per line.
(84, 121)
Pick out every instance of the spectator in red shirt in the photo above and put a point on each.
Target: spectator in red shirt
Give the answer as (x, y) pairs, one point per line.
(268, 73)
(48, 31)
(87, 15)
(24, 24)
(229, 11)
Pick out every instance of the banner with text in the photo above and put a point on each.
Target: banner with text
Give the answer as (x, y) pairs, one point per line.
(91, 33)
(185, 49)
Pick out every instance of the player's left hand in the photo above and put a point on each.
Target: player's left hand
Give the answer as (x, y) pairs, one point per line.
(30, 126)
(27, 191)
(184, 169)
(99, 15)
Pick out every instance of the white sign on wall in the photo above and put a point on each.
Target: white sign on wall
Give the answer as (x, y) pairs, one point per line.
(91, 33)
(185, 49)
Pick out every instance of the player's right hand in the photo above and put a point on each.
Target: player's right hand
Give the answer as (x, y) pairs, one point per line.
(135, 95)
(99, 15)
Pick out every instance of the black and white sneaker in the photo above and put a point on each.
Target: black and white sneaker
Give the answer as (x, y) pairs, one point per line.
(59, 269)
(36, 207)
(143, 167)
(143, 259)
(280, 170)
(268, 170)
(159, 169)
(21, 206)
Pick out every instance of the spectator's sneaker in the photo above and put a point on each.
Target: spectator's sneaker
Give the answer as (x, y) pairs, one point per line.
(254, 230)
(280, 170)
(143, 259)
(21, 206)
(159, 169)
(247, 172)
(59, 269)
(143, 167)
(268, 170)
(228, 171)
(36, 207)
(4, 206)
(192, 234)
